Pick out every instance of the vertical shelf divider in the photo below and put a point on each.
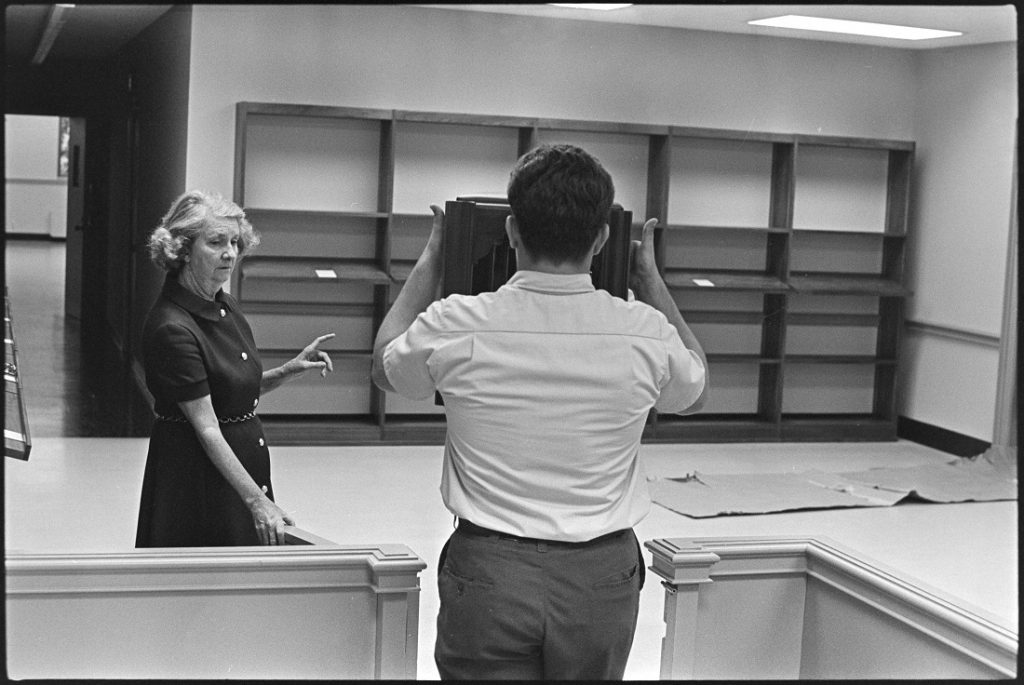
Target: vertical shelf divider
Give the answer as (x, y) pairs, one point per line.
(378, 398)
(776, 305)
(238, 186)
(385, 226)
(891, 309)
(529, 137)
(658, 167)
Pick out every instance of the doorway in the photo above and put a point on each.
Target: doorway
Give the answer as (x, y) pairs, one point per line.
(55, 267)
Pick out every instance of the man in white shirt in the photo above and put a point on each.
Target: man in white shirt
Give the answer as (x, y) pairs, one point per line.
(547, 384)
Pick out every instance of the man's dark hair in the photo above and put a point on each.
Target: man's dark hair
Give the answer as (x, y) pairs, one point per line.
(560, 196)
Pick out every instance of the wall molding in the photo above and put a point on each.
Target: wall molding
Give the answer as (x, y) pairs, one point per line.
(939, 438)
(708, 581)
(11, 235)
(957, 333)
(38, 181)
(116, 614)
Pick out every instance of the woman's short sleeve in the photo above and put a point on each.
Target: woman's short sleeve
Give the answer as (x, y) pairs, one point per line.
(174, 364)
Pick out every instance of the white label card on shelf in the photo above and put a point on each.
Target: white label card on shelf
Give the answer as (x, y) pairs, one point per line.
(703, 282)
(326, 273)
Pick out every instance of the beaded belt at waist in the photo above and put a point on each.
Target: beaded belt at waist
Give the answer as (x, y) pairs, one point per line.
(231, 419)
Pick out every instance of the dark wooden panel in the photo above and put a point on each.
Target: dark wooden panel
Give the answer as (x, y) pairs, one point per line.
(845, 284)
(837, 428)
(267, 212)
(724, 280)
(290, 110)
(722, 229)
(410, 430)
(298, 430)
(610, 127)
(704, 428)
(659, 152)
(837, 359)
(478, 258)
(940, 438)
(731, 134)
(863, 143)
(298, 269)
(457, 118)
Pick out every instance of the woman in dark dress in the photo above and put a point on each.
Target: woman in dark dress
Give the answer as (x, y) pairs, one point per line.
(207, 477)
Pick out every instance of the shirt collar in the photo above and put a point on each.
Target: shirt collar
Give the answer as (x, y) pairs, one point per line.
(553, 284)
(189, 301)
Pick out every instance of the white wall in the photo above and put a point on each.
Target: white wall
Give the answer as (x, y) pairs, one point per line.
(416, 58)
(36, 198)
(965, 119)
(959, 104)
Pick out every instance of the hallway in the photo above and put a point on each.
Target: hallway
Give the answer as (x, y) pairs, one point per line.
(73, 385)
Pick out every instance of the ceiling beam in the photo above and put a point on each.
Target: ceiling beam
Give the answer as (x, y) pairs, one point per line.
(54, 23)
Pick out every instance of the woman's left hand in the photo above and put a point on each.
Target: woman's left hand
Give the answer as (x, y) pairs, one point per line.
(312, 358)
(269, 519)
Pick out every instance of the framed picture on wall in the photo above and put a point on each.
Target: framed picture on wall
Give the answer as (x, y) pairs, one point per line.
(64, 137)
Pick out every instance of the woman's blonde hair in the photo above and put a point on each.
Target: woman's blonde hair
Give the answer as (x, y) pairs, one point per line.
(172, 239)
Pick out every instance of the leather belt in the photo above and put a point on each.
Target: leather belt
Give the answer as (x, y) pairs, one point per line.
(470, 528)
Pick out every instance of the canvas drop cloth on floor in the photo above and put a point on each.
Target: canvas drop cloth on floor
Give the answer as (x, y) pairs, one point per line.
(702, 495)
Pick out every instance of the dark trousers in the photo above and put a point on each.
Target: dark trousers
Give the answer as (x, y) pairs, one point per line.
(528, 609)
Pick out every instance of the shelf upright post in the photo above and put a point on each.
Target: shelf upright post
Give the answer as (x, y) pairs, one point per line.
(385, 226)
(529, 138)
(891, 308)
(385, 192)
(238, 186)
(773, 323)
(659, 158)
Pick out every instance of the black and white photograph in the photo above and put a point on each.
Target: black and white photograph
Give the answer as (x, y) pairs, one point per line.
(511, 341)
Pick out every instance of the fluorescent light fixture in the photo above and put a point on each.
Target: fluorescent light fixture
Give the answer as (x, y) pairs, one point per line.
(601, 6)
(54, 23)
(860, 28)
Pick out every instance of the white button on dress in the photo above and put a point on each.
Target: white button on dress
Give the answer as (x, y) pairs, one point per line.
(244, 356)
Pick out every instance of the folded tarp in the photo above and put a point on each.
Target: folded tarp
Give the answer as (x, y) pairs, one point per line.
(701, 495)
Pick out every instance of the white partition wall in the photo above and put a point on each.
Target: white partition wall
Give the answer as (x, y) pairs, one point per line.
(311, 609)
(36, 195)
(773, 607)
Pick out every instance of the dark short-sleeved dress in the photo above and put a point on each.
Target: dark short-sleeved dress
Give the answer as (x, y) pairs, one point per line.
(193, 347)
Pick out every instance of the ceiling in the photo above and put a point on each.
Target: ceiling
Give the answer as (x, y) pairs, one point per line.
(979, 24)
(88, 32)
(95, 32)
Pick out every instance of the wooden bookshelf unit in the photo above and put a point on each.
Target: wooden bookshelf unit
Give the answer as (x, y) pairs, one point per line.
(785, 253)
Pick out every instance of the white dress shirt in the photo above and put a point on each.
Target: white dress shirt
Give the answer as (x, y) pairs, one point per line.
(547, 384)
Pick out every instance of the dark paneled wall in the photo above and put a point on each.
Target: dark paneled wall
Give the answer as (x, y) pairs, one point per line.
(136, 109)
(156, 129)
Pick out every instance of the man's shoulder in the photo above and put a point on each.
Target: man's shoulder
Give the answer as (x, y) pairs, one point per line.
(634, 311)
(453, 305)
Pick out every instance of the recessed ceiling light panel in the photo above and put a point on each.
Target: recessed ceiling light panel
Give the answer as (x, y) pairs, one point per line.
(860, 28)
(600, 6)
